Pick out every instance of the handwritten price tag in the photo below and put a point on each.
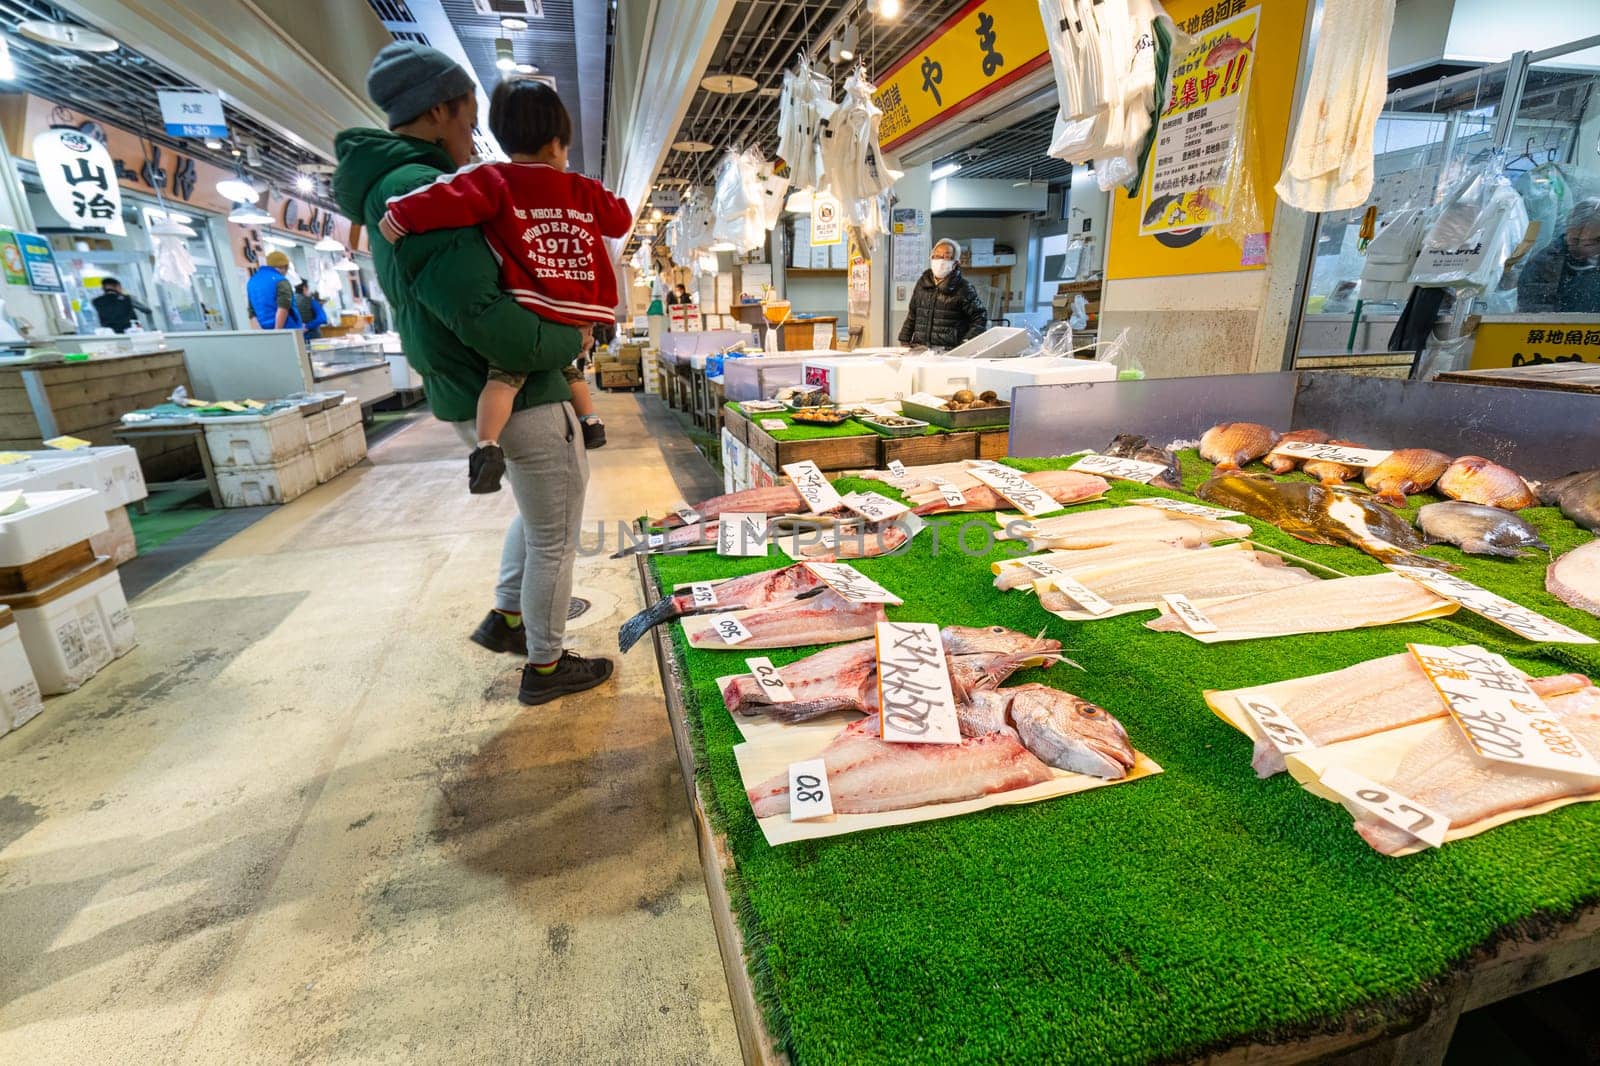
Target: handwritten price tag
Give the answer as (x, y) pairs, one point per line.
(1125, 469)
(7, 458)
(1080, 594)
(1387, 805)
(1520, 620)
(773, 686)
(915, 703)
(819, 495)
(1193, 510)
(952, 495)
(655, 540)
(688, 515)
(1189, 614)
(873, 506)
(730, 629)
(1277, 727)
(772, 425)
(1023, 494)
(897, 470)
(1042, 566)
(742, 533)
(1501, 715)
(703, 595)
(852, 584)
(808, 791)
(1332, 453)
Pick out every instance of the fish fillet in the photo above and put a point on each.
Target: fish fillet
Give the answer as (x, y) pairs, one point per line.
(1319, 607)
(1012, 574)
(1218, 573)
(867, 775)
(1574, 579)
(825, 619)
(747, 592)
(1063, 486)
(1118, 525)
(1444, 773)
(769, 500)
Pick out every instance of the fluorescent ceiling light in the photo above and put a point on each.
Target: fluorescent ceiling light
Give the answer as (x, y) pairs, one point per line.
(503, 57)
(944, 170)
(213, 143)
(277, 241)
(238, 190)
(304, 183)
(8, 69)
(510, 22)
(347, 265)
(850, 39)
(526, 68)
(328, 244)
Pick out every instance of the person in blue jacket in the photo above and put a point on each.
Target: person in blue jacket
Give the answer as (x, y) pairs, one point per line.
(309, 308)
(271, 297)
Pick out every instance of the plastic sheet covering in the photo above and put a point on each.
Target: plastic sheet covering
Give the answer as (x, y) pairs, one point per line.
(1246, 220)
(857, 171)
(739, 203)
(174, 265)
(802, 109)
(1386, 274)
(1479, 223)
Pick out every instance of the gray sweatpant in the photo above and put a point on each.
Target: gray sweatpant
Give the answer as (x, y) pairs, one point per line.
(548, 471)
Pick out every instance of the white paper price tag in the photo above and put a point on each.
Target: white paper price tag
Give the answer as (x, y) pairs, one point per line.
(819, 495)
(1520, 620)
(1023, 494)
(688, 515)
(702, 595)
(897, 470)
(1387, 805)
(773, 686)
(916, 705)
(1277, 727)
(656, 540)
(1125, 469)
(1331, 453)
(1501, 715)
(742, 533)
(1189, 614)
(772, 425)
(873, 506)
(730, 629)
(1080, 594)
(1042, 566)
(852, 584)
(952, 495)
(808, 791)
(1193, 510)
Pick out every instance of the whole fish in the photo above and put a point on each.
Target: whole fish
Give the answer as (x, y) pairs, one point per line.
(1132, 446)
(867, 774)
(1284, 464)
(1228, 47)
(1200, 574)
(1443, 772)
(1122, 525)
(1319, 607)
(1476, 480)
(752, 590)
(768, 500)
(1063, 486)
(1331, 473)
(1578, 496)
(1063, 730)
(1406, 472)
(1478, 530)
(1574, 579)
(826, 618)
(1232, 444)
(1012, 574)
(1318, 515)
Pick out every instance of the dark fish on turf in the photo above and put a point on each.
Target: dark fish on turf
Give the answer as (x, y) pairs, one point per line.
(1133, 446)
(1478, 529)
(752, 590)
(1578, 496)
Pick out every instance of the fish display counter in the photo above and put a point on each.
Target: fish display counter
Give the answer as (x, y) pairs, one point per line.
(1304, 850)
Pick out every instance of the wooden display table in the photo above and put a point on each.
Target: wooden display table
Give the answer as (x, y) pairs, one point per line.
(866, 450)
(1563, 377)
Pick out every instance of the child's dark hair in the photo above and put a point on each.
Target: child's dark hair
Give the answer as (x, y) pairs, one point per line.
(525, 115)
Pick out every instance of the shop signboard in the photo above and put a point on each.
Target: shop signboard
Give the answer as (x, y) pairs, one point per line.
(39, 262)
(16, 272)
(1536, 342)
(79, 179)
(196, 115)
(982, 48)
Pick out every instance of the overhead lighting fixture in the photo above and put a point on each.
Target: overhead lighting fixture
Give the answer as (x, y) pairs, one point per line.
(213, 144)
(656, 215)
(502, 54)
(277, 241)
(727, 84)
(238, 190)
(328, 244)
(61, 35)
(512, 23)
(8, 69)
(799, 202)
(305, 183)
(692, 146)
(347, 265)
(944, 171)
(249, 215)
(835, 53)
(888, 10)
(849, 41)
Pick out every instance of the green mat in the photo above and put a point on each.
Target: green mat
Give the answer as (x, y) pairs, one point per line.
(799, 431)
(169, 514)
(1195, 910)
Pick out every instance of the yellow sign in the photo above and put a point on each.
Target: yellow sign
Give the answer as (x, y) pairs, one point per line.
(7, 458)
(1535, 343)
(67, 444)
(1148, 239)
(979, 50)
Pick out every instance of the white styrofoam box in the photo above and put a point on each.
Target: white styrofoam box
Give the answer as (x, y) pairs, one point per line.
(1003, 375)
(317, 428)
(68, 635)
(338, 453)
(941, 375)
(996, 342)
(983, 259)
(1006, 259)
(255, 440)
(259, 486)
(401, 375)
(981, 246)
(115, 472)
(353, 444)
(20, 698)
(839, 256)
(51, 521)
(852, 379)
(115, 613)
(821, 256)
(118, 541)
(345, 415)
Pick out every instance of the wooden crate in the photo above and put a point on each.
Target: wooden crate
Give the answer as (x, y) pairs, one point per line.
(616, 376)
(736, 422)
(832, 453)
(925, 451)
(994, 443)
(35, 575)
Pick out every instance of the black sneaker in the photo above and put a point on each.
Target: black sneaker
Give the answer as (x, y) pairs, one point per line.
(496, 634)
(594, 435)
(573, 673)
(485, 467)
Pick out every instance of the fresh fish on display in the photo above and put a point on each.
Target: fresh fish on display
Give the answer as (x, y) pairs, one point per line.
(1578, 496)
(1406, 472)
(1318, 515)
(1475, 479)
(1478, 529)
(1132, 446)
(1012, 574)
(919, 479)
(752, 590)
(1063, 486)
(1330, 473)
(1122, 526)
(1444, 773)
(1198, 574)
(681, 538)
(1284, 464)
(1317, 607)
(1232, 444)
(1574, 579)
(1063, 730)
(826, 618)
(768, 500)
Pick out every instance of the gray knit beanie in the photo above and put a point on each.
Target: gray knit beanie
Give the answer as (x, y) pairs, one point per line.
(406, 79)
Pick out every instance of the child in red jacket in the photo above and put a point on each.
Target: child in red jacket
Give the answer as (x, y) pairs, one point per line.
(547, 229)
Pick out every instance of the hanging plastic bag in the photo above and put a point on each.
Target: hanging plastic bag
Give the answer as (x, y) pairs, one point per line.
(1118, 354)
(1480, 221)
(1057, 341)
(1079, 319)
(174, 265)
(1392, 255)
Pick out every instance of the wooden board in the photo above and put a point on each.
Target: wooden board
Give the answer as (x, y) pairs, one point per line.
(994, 443)
(830, 453)
(1565, 377)
(35, 575)
(736, 422)
(926, 451)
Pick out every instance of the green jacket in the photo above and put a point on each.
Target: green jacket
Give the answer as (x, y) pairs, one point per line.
(444, 286)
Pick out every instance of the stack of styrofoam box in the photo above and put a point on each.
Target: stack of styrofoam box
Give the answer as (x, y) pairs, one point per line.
(336, 438)
(261, 459)
(112, 471)
(650, 369)
(77, 620)
(20, 698)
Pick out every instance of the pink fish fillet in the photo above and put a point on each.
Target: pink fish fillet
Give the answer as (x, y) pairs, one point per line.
(1063, 486)
(867, 775)
(769, 500)
(823, 619)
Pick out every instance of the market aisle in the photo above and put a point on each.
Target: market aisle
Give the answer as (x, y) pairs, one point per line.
(307, 820)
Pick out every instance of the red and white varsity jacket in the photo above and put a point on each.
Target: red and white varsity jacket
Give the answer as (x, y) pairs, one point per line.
(544, 225)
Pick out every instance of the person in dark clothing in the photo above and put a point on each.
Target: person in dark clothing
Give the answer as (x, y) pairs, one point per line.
(1564, 275)
(679, 295)
(114, 307)
(309, 308)
(945, 309)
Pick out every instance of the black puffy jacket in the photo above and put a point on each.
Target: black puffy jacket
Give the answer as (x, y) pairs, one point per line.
(943, 313)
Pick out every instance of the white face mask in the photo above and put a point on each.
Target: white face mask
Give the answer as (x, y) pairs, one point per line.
(942, 268)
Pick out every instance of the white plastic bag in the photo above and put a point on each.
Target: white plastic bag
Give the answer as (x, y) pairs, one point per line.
(1079, 318)
(1479, 222)
(1057, 341)
(1118, 354)
(1392, 255)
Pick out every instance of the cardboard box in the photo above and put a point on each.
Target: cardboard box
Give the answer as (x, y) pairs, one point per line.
(981, 246)
(839, 256)
(821, 257)
(983, 259)
(619, 377)
(1006, 260)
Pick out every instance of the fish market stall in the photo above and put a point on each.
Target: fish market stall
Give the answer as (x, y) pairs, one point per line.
(1208, 904)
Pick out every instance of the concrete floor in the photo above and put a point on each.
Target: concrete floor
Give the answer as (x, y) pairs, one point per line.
(306, 820)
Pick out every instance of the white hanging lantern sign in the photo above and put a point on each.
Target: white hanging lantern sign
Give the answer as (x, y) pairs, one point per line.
(79, 179)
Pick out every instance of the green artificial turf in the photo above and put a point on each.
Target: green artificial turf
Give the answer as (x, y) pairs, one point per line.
(169, 514)
(798, 431)
(1197, 909)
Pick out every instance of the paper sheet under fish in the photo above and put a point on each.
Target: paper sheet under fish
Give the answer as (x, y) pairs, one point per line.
(1121, 525)
(1013, 574)
(1319, 607)
(765, 589)
(1200, 574)
(1063, 486)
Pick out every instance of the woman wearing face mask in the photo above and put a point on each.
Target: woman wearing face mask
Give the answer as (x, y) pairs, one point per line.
(1564, 275)
(945, 309)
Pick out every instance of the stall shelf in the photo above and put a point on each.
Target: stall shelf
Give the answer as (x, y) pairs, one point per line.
(852, 446)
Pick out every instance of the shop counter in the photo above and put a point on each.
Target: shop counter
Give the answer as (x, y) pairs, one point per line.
(267, 364)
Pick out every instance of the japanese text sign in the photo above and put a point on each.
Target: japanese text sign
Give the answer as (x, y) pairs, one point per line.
(742, 533)
(1331, 453)
(819, 495)
(1387, 805)
(852, 584)
(873, 506)
(192, 114)
(916, 704)
(1125, 469)
(1515, 617)
(1193, 510)
(1027, 497)
(79, 180)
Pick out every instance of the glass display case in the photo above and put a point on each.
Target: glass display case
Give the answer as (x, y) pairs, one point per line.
(339, 357)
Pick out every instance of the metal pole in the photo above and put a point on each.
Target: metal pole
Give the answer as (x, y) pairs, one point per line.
(1511, 98)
